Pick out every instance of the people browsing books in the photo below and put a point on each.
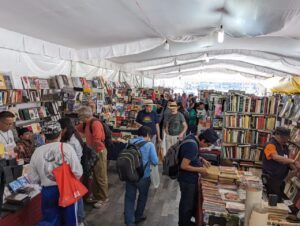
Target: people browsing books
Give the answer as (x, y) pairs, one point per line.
(95, 137)
(25, 146)
(44, 160)
(276, 162)
(71, 136)
(191, 165)
(135, 214)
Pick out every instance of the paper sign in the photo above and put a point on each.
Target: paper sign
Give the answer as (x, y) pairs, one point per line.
(1, 150)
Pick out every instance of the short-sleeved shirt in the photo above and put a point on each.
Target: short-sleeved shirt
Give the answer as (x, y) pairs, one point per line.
(189, 151)
(269, 150)
(148, 119)
(174, 123)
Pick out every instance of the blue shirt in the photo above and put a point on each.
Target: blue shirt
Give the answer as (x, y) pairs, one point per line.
(189, 151)
(148, 119)
(148, 154)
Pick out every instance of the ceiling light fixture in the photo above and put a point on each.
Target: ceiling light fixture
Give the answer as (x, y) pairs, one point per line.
(179, 73)
(221, 35)
(167, 45)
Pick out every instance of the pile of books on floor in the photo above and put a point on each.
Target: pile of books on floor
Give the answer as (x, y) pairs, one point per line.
(212, 201)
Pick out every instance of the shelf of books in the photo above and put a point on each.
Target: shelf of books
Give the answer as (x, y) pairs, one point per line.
(248, 123)
(289, 116)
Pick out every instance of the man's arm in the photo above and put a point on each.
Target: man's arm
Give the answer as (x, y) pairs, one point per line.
(185, 165)
(281, 159)
(98, 135)
(153, 154)
(157, 132)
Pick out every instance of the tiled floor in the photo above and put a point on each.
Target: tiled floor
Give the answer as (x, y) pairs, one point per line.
(161, 209)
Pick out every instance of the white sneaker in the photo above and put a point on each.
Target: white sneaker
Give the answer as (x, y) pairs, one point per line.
(101, 203)
(81, 224)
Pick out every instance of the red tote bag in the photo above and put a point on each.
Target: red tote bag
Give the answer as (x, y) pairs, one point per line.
(69, 187)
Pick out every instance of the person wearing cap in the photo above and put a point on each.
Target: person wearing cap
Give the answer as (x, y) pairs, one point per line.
(25, 146)
(148, 117)
(43, 161)
(175, 125)
(276, 162)
(192, 165)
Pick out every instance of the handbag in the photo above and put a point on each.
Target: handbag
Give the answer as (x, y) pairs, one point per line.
(154, 175)
(69, 187)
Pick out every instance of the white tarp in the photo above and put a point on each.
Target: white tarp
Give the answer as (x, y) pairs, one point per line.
(128, 32)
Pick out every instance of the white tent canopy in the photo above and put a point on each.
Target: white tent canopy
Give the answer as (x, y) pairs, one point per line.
(261, 37)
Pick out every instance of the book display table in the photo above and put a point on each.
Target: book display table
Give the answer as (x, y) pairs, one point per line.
(29, 215)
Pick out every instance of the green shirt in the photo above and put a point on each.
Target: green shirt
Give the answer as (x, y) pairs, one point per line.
(193, 117)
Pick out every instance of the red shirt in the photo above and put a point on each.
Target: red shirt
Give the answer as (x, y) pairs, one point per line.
(95, 140)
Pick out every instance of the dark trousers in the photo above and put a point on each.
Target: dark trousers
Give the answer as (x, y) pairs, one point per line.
(53, 214)
(131, 213)
(275, 186)
(187, 204)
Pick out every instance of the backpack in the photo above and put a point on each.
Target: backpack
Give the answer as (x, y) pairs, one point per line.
(130, 163)
(171, 161)
(108, 134)
(88, 160)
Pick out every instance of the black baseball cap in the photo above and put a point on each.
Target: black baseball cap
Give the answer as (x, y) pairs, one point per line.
(210, 135)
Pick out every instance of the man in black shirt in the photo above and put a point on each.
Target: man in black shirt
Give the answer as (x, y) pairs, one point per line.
(191, 166)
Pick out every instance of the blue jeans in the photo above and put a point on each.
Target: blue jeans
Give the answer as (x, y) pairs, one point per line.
(54, 215)
(80, 210)
(132, 214)
(187, 204)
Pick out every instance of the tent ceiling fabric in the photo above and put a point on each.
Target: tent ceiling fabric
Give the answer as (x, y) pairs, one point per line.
(259, 33)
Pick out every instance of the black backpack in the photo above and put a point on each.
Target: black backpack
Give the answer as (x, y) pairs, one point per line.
(88, 160)
(171, 162)
(130, 163)
(108, 134)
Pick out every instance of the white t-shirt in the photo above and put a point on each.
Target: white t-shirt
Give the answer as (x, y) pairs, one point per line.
(48, 157)
(7, 138)
(74, 142)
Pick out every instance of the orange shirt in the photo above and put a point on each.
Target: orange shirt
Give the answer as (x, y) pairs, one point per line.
(95, 140)
(269, 150)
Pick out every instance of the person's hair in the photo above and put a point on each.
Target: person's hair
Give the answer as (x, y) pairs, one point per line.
(66, 123)
(86, 111)
(201, 137)
(53, 136)
(196, 105)
(6, 114)
(144, 131)
(201, 103)
(180, 106)
(22, 131)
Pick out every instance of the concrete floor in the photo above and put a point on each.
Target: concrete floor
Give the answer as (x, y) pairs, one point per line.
(161, 208)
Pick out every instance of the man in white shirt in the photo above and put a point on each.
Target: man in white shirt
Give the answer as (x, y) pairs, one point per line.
(43, 161)
(6, 135)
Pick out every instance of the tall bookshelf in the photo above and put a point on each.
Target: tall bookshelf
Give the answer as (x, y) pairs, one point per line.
(289, 117)
(248, 123)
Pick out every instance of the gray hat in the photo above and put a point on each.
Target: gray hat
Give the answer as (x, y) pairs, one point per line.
(282, 131)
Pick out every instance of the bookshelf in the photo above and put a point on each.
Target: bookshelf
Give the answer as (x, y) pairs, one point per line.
(248, 123)
(289, 116)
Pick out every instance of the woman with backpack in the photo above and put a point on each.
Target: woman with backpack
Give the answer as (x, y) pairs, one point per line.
(71, 136)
